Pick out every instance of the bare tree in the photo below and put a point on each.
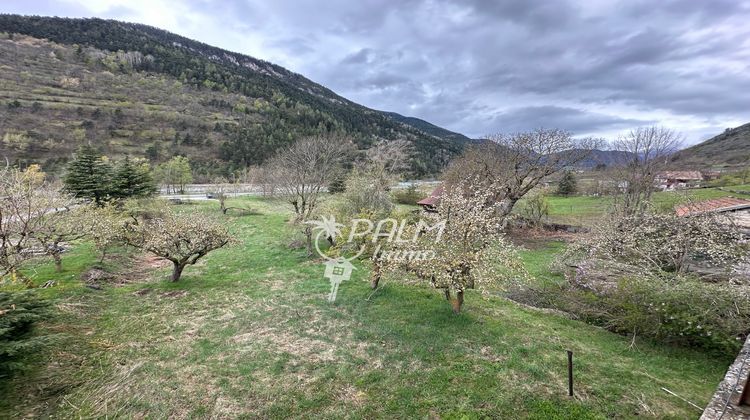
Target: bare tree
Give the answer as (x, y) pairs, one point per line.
(650, 148)
(251, 175)
(511, 165)
(301, 172)
(390, 157)
(61, 227)
(222, 190)
(369, 184)
(27, 207)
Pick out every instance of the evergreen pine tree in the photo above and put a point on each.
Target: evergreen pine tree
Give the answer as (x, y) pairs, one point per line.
(338, 184)
(88, 176)
(21, 312)
(568, 184)
(131, 180)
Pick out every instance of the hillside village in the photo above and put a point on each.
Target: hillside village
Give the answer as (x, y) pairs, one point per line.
(190, 232)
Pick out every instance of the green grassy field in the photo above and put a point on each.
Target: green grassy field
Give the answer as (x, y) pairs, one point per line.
(585, 210)
(248, 333)
(745, 187)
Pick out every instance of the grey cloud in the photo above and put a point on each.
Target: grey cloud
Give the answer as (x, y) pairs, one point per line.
(384, 80)
(295, 45)
(571, 119)
(478, 66)
(44, 7)
(362, 56)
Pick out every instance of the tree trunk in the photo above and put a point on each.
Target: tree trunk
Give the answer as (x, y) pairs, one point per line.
(308, 236)
(58, 262)
(458, 302)
(177, 271)
(447, 294)
(375, 276)
(506, 207)
(296, 209)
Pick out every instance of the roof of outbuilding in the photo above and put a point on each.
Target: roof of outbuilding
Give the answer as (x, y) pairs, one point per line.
(716, 205)
(680, 175)
(433, 199)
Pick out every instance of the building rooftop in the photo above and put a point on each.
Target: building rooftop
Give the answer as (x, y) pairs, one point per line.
(717, 205)
(434, 199)
(680, 175)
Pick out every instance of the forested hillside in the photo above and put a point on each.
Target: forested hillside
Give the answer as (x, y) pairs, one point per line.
(728, 149)
(133, 89)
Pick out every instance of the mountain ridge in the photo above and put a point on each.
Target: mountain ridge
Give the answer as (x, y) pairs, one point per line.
(288, 100)
(728, 149)
(428, 127)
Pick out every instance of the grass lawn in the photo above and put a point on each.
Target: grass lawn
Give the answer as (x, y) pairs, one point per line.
(248, 333)
(585, 210)
(538, 254)
(745, 187)
(577, 210)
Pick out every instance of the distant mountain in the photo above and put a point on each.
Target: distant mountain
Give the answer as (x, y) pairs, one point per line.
(606, 157)
(428, 128)
(138, 90)
(730, 148)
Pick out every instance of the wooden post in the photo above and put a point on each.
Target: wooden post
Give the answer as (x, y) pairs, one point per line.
(570, 373)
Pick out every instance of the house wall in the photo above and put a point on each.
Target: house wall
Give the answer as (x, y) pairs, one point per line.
(725, 404)
(742, 218)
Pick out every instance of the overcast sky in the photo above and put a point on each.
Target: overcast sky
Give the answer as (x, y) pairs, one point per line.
(485, 66)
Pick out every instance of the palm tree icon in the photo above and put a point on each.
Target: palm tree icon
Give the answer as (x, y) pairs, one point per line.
(329, 227)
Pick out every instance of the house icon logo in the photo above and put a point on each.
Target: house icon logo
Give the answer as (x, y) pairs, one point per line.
(337, 270)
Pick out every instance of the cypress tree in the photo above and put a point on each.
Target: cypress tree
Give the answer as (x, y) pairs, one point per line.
(568, 184)
(131, 180)
(88, 176)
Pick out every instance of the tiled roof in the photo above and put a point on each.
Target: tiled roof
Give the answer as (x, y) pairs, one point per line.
(433, 199)
(680, 175)
(717, 205)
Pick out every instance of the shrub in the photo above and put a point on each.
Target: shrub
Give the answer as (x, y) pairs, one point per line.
(535, 208)
(682, 311)
(19, 312)
(660, 276)
(409, 195)
(338, 184)
(367, 192)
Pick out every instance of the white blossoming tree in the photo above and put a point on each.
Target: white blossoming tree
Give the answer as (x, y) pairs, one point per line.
(659, 243)
(27, 211)
(182, 239)
(470, 252)
(61, 227)
(512, 165)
